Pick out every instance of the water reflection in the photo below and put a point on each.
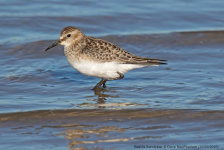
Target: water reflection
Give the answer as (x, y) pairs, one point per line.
(100, 93)
(101, 97)
(83, 135)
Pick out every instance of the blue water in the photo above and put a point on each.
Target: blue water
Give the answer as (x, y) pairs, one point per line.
(25, 21)
(42, 97)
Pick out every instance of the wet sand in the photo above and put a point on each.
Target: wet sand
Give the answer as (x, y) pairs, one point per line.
(48, 104)
(120, 129)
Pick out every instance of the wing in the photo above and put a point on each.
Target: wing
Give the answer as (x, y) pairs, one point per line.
(104, 51)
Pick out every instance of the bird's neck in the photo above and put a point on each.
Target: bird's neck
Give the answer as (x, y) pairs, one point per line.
(75, 48)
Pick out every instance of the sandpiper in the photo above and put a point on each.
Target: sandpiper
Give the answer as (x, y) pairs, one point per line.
(99, 58)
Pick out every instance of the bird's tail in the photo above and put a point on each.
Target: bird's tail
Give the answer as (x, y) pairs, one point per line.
(146, 61)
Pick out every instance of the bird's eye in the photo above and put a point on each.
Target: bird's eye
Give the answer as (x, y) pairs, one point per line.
(68, 35)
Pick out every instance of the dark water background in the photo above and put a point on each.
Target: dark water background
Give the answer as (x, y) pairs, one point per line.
(46, 104)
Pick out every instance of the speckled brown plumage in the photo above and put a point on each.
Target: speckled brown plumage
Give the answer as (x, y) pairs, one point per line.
(99, 58)
(104, 51)
(68, 29)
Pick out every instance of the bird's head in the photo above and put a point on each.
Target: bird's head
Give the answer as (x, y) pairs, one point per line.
(68, 36)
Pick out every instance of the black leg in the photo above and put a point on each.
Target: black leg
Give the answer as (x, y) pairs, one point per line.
(103, 81)
(104, 84)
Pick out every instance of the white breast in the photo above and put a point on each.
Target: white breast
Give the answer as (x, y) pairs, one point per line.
(101, 70)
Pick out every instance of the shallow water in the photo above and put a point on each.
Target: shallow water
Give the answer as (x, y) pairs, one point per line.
(47, 103)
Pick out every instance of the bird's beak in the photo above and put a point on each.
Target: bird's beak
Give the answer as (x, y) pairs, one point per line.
(53, 45)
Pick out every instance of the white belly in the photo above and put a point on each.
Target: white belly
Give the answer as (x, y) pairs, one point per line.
(101, 70)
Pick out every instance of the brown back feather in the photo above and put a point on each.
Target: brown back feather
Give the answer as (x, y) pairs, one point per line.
(104, 51)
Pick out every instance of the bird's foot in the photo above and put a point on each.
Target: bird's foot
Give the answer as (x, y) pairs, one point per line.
(98, 85)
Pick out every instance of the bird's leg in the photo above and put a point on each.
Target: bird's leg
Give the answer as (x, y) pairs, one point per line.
(103, 81)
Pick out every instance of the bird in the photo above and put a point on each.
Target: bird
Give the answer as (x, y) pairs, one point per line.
(99, 58)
